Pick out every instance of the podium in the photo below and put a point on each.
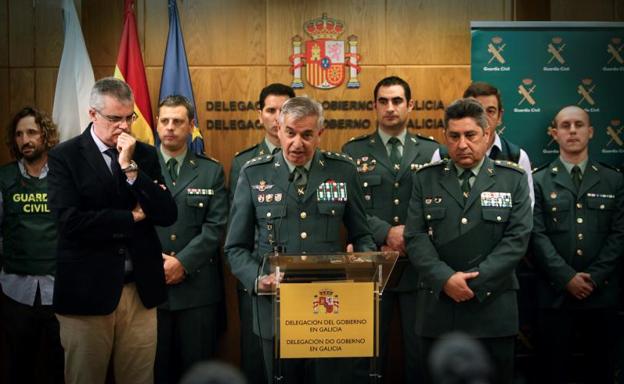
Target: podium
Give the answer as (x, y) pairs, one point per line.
(327, 306)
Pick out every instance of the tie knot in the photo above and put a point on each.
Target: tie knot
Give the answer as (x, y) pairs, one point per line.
(275, 150)
(576, 169)
(172, 162)
(394, 141)
(467, 174)
(112, 153)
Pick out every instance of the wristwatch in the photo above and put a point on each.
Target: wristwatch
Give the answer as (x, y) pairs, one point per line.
(131, 168)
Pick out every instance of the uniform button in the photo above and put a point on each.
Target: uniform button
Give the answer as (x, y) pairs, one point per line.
(488, 294)
(304, 235)
(201, 205)
(428, 217)
(367, 197)
(498, 218)
(579, 220)
(579, 205)
(580, 236)
(121, 251)
(268, 214)
(602, 206)
(396, 201)
(365, 184)
(173, 237)
(303, 215)
(270, 227)
(554, 209)
(396, 184)
(396, 219)
(579, 252)
(333, 212)
(464, 220)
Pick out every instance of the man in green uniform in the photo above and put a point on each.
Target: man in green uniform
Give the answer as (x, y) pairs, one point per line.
(269, 106)
(187, 322)
(29, 254)
(279, 196)
(578, 237)
(468, 225)
(386, 160)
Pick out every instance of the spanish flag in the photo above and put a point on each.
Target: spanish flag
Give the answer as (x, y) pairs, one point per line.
(130, 69)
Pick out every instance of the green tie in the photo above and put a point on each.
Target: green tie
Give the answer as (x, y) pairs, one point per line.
(172, 166)
(300, 179)
(576, 177)
(465, 185)
(395, 154)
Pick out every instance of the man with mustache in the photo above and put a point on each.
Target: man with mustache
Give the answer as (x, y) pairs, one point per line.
(467, 227)
(387, 160)
(577, 242)
(29, 250)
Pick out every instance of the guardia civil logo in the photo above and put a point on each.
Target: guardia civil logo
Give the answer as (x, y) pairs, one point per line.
(586, 90)
(326, 59)
(615, 132)
(555, 50)
(496, 47)
(526, 97)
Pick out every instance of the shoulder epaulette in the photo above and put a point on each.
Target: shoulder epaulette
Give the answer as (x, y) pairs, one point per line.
(247, 150)
(432, 164)
(361, 137)
(427, 138)
(206, 157)
(510, 165)
(610, 166)
(259, 160)
(337, 156)
(537, 169)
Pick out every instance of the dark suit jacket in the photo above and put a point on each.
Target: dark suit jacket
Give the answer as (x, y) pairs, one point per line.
(200, 195)
(96, 229)
(444, 234)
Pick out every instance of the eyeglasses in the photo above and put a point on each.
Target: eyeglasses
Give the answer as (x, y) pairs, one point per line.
(118, 119)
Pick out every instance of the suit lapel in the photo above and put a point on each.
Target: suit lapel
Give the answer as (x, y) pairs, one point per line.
(450, 184)
(281, 175)
(485, 179)
(315, 176)
(378, 150)
(410, 152)
(561, 176)
(188, 172)
(93, 156)
(591, 177)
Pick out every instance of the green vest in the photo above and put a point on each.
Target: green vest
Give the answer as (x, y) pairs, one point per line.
(28, 227)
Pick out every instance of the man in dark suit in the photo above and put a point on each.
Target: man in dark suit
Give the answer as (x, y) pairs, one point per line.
(578, 237)
(107, 194)
(269, 106)
(467, 227)
(387, 160)
(278, 196)
(187, 322)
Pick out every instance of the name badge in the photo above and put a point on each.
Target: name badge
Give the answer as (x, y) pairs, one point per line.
(331, 191)
(496, 199)
(200, 192)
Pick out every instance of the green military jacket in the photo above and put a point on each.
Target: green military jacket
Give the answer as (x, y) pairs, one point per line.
(200, 195)
(578, 232)
(267, 201)
(488, 233)
(387, 190)
(241, 158)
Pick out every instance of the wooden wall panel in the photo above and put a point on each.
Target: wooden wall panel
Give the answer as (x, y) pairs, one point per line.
(530, 10)
(45, 86)
(223, 32)
(436, 31)
(103, 71)
(48, 32)
(21, 88)
(102, 23)
(363, 18)
(619, 10)
(5, 117)
(582, 10)
(156, 28)
(444, 83)
(4, 33)
(153, 75)
(21, 33)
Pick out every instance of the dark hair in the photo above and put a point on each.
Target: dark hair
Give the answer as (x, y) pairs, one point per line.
(393, 80)
(467, 107)
(479, 88)
(113, 87)
(48, 129)
(276, 89)
(176, 101)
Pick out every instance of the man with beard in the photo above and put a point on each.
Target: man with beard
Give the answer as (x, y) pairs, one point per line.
(386, 161)
(269, 106)
(577, 242)
(29, 254)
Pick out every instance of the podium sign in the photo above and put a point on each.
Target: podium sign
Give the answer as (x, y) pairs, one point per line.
(327, 319)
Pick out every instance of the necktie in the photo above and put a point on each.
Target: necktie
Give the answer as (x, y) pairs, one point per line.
(395, 154)
(114, 156)
(275, 150)
(172, 167)
(576, 176)
(465, 185)
(300, 179)
(494, 153)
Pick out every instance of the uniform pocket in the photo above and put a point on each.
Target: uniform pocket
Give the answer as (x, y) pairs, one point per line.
(331, 215)
(369, 184)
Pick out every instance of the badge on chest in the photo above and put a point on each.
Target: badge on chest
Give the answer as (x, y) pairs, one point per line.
(496, 199)
(331, 190)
